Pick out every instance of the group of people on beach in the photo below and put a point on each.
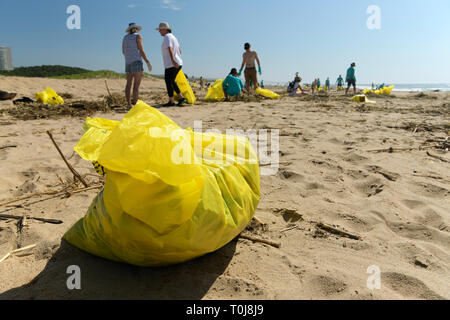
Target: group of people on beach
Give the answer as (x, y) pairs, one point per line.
(133, 51)
(295, 87)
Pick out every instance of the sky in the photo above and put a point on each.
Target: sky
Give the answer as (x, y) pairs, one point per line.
(318, 38)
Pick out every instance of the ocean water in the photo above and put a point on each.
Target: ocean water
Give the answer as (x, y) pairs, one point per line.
(443, 87)
(414, 87)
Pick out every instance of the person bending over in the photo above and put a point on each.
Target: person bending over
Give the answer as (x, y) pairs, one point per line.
(232, 85)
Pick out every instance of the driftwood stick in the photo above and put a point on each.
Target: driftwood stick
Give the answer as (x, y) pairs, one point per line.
(24, 248)
(75, 173)
(290, 228)
(52, 221)
(337, 231)
(257, 220)
(8, 146)
(5, 257)
(34, 195)
(17, 251)
(85, 189)
(437, 157)
(273, 164)
(63, 190)
(391, 150)
(386, 175)
(254, 239)
(107, 88)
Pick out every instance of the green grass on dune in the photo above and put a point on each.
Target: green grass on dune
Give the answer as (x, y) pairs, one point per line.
(64, 72)
(92, 75)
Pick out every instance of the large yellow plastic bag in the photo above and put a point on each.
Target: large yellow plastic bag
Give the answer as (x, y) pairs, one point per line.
(362, 98)
(215, 92)
(185, 88)
(163, 202)
(267, 93)
(49, 96)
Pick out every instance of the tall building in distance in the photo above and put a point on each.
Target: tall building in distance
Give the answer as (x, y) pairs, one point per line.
(5, 58)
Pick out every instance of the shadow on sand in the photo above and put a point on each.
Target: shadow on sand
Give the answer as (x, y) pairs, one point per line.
(104, 279)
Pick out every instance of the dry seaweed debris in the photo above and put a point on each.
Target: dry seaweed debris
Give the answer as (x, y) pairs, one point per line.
(80, 108)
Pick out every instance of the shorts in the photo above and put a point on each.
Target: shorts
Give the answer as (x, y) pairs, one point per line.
(250, 76)
(351, 82)
(134, 67)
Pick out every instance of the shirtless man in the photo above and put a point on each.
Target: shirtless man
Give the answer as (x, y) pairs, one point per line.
(248, 60)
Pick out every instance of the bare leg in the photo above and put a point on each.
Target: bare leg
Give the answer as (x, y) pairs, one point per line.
(128, 89)
(137, 83)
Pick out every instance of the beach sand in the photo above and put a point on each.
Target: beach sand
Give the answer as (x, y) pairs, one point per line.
(397, 202)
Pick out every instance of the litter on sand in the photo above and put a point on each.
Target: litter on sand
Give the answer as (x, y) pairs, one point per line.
(362, 98)
(49, 96)
(383, 91)
(215, 92)
(170, 195)
(267, 93)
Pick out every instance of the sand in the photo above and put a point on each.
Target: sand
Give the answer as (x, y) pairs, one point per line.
(397, 202)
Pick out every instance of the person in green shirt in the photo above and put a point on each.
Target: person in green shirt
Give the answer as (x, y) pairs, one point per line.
(232, 85)
(350, 78)
(327, 83)
(340, 81)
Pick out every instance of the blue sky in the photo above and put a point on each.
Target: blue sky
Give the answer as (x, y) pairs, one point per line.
(318, 38)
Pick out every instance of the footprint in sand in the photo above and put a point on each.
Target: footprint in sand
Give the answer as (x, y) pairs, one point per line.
(430, 190)
(408, 286)
(354, 158)
(328, 286)
(290, 175)
(371, 187)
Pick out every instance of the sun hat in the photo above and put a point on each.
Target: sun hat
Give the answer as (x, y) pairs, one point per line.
(133, 26)
(164, 25)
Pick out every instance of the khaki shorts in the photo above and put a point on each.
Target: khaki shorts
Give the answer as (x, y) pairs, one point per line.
(250, 75)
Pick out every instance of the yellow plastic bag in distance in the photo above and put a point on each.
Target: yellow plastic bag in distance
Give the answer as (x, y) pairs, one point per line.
(215, 92)
(267, 93)
(382, 91)
(49, 96)
(185, 88)
(155, 210)
(361, 98)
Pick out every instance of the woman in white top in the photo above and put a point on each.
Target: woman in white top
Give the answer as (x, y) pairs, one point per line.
(171, 53)
(132, 49)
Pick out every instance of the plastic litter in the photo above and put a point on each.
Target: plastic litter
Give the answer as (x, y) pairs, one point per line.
(215, 92)
(382, 91)
(362, 98)
(267, 93)
(49, 96)
(156, 210)
(185, 88)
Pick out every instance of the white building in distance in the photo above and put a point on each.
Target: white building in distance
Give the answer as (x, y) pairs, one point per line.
(5, 58)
